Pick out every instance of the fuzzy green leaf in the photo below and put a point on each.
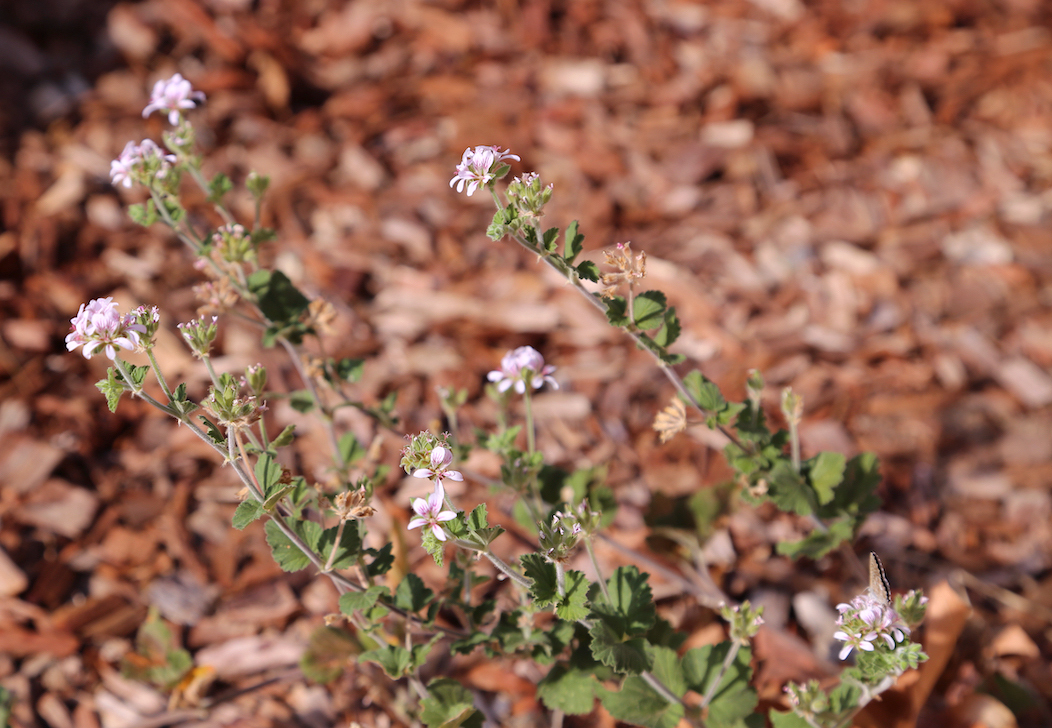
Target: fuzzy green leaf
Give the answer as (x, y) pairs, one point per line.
(449, 705)
(568, 689)
(287, 554)
(218, 187)
(351, 602)
(278, 299)
(268, 473)
(627, 657)
(285, 437)
(670, 331)
(411, 595)
(589, 271)
(787, 720)
(648, 309)
(348, 549)
(574, 242)
(247, 511)
(639, 704)
(143, 215)
(825, 473)
(394, 659)
(704, 392)
(350, 449)
(541, 573)
(734, 698)
(630, 609)
(616, 311)
(301, 401)
(112, 387)
(574, 605)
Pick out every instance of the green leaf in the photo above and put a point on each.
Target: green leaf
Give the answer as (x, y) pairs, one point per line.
(247, 511)
(627, 657)
(285, 437)
(639, 704)
(551, 235)
(268, 474)
(394, 660)
(704, 392)
(589, 271)
(630, 609)
(350, 449)
(412, 595)
(287, 554)
(347, 551)
(734, 698)
(213, 432)
(383, 560)
(541, 573)
(616, 311)
(825, 472)
(112, 387)
(278, 299)
(351, 602)
(568, 689)
(648, 309)
(143, 215)
(478, 526)
(787, 720)
(349, 370)
(328, 654)
(821, 542)
(787, 490)
(574, 605)
(301, 401)
(857, 494)
(218, 187)
(574, 243)
(449, 705)
(670, 331)
(668, 670)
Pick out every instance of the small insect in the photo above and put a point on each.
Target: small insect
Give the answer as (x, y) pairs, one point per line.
(879, 586)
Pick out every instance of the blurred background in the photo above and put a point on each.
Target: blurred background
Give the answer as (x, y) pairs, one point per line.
(852, 197)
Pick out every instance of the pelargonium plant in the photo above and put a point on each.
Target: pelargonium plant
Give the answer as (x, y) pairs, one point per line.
(596, 636)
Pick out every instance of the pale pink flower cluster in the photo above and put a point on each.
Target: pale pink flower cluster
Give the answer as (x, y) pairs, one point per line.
(521, 366)
(441, 459)
(99, 325)
(868, 620)
(173, 96)
(135, 158)
(429, 512)
(477, 166)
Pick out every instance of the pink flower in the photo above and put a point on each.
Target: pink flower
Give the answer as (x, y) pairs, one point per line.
(146, 159)
(429, 513)
(99, 325)
(121, 167)
(441, 459)
(520, 366)
(173, 96)
(477, 166)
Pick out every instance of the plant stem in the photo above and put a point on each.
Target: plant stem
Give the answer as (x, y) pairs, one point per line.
(595, 565)
(531, 436)
(732, 653)
(335, 546)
